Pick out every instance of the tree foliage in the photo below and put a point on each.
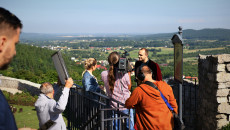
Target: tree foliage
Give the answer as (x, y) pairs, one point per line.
(35, 64)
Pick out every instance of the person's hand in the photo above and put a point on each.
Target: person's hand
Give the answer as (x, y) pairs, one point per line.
(69, 83)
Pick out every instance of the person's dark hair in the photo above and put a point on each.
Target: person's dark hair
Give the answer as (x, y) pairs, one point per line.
(113, 60)
(8, 22)
(146, 51)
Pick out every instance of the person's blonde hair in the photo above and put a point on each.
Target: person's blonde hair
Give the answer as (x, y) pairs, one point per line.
(89, 63)
(46, 88)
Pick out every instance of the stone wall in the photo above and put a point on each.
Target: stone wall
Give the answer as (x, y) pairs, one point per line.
(13, 85)
(214, 91)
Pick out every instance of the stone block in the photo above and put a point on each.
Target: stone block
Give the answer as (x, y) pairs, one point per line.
(223, 77)
(221, 67)
(222, 92)
(221, 123)
(223, 58)
(222, 99)
(224, 85)
(224, 108)
(228, 67)
(9, 83)
(202, 57)
(221, 116)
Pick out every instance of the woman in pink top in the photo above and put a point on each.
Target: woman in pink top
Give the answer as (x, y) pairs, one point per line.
(117, 85)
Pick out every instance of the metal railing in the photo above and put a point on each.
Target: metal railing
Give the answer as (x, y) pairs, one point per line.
(91, 110)
(190, 103)
(190, 100)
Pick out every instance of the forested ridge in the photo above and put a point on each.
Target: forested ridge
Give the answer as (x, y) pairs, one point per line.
(35, 64)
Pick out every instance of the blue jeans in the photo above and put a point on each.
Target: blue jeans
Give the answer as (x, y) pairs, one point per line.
(115, 122)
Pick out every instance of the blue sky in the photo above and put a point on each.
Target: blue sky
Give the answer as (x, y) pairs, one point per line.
(119, 16)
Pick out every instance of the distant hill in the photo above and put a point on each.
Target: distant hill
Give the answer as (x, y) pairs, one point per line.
(204, 34)
(38, 36)
(212, 34)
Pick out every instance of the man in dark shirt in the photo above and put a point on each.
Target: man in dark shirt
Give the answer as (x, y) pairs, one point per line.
(144, 60)
(10, 29)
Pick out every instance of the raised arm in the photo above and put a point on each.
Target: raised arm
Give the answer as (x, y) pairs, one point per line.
(60, 105)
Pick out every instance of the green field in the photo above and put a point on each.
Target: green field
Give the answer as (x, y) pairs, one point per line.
(207, 49)
(165, 50)
(28, 117)
(133, 54)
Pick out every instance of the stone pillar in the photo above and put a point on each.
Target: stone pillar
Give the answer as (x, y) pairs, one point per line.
(214, 91)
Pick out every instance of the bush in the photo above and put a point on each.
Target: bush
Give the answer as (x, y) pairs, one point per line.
(227, 127)
(23, 98)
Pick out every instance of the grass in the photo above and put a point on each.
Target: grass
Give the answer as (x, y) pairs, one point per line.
(194, 59)
(227, 127)
(207, 49)
(133, 54)
(28, 117)
(165, 50)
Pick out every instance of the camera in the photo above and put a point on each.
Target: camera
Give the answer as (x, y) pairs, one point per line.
(123, 63)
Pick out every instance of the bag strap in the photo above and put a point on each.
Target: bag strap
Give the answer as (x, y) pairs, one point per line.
(152, 85)
(166, 102)
(162, 96)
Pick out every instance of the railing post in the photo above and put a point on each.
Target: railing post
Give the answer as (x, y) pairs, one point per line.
(102, 119)
(87, 113)
(68, 111)
(195, 96)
